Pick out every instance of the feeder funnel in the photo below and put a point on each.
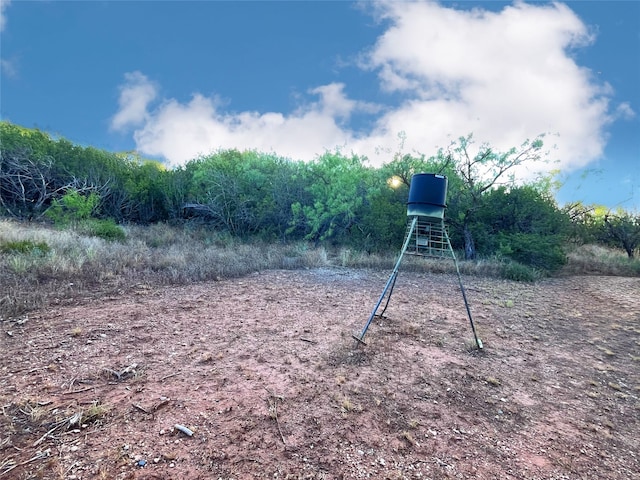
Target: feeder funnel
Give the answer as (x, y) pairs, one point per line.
(427, 196)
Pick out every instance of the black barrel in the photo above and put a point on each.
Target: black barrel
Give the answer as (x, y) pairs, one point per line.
(427, 195)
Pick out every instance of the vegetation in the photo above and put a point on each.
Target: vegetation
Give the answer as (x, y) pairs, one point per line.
(117, 215)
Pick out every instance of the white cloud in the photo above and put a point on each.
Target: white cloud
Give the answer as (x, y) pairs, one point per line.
(506, 76)
(179, 132)
(8, 68)
(625, 111)
(3, 16)
(135, 96)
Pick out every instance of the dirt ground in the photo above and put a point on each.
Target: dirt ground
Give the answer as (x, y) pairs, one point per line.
(264, 372)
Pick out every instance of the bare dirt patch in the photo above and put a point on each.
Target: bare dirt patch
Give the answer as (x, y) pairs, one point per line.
(264, 371)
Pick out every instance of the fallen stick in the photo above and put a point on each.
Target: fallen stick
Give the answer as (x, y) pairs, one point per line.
(41, 439)
(275, 413)
(38, 456)
(142, 409)
(169, 376)
(78, 391)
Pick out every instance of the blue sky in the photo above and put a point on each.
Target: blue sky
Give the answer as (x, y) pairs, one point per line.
(174, 80)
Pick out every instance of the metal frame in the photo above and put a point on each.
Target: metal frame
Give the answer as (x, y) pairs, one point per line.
(427, 236)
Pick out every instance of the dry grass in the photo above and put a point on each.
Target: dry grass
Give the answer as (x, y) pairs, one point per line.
(70, 265)
(77, 265)
(599, 260)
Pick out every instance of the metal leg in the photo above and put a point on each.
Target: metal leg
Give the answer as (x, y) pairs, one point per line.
(388, 297)
(464, 294)
(390, 283)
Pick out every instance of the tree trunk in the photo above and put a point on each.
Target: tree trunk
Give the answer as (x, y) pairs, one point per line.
(469, 244)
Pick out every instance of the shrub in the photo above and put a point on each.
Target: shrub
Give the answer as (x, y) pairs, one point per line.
(73, 207)
(25, 247)
(518, 272)
(542, 252)
(105, 229)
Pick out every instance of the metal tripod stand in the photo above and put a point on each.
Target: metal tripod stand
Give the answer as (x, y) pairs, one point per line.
(425, 236)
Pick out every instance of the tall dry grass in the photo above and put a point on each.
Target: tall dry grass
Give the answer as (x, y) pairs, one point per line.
(74, 265)
(41, 266)
(599, 260)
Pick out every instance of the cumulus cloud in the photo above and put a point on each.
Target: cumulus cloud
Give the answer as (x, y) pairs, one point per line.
(625, 111)
(3, 16)
(182, 131)
(135, 96)
(506, 76)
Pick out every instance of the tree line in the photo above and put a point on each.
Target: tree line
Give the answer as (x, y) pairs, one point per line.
(337, 199)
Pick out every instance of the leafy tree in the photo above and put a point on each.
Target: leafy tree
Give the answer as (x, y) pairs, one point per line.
(337, 186)
(35, 170)
(144, 186)
(479, 173)
(623, 229)
(523, 224)
(244, 192)
(382, 221)
(587, 223)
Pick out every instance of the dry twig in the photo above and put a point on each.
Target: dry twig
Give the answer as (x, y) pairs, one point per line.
(275, 411)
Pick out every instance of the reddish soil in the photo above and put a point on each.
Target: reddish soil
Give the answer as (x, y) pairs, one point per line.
(265, 372)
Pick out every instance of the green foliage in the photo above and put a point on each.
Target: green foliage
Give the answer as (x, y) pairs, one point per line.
(597, 224)
(335, 200)
(27, 247)
(105, 229)
(623, 230)
(541, 252)
(14, 137)
(586, 222)
(520, 273)
(382, 226)
(473, 175)
(72, 207)
(522, 224)
(243, 192)
(337, 188)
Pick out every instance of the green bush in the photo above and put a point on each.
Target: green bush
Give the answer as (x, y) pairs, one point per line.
(518, 272)
(105, 229)
(73, 207)
(25, 247)
(542, 252)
